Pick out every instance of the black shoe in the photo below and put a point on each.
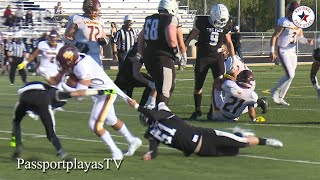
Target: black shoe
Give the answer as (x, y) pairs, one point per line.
(195, 115)
(17, 152)
(64, 156)
(262, 102)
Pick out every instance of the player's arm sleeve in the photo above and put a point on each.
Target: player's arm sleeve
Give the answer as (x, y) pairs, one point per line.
(136, 66)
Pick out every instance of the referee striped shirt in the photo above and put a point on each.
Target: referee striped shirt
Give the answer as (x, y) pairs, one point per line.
(18, 49)
(125, 39)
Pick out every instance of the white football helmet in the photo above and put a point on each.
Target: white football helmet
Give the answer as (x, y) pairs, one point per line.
(219, 15)
(170, 5)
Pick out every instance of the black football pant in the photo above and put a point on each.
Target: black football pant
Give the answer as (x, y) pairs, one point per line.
(162, 70)
(127, 85)
(13, 68)
(39, 102)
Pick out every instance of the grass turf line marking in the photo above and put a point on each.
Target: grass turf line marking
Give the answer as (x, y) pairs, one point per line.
(169, 148)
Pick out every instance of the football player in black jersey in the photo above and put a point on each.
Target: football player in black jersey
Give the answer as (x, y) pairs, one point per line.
(158, 43)
(40, 98)
(129, 77)
(169, 129)
(212, 32)
(314, 70)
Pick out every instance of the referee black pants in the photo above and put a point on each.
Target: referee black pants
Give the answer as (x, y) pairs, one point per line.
(38, 101)
(13, 68)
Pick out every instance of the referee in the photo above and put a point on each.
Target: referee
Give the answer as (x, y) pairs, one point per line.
(124, 39)
(17, 52)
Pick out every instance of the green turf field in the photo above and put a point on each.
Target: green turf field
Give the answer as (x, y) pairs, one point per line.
(298, 126)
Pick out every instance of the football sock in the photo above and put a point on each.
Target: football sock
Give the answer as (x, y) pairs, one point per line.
(197, 101)
(106, 138)
(284, 88)
(56, 143)
(126, 133)
(262, 141)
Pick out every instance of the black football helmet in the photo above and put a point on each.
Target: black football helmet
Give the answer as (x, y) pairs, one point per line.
(145, 120)
(67, 57)
(245, 78)
(316, 54)
(292, 6)
(91, 8)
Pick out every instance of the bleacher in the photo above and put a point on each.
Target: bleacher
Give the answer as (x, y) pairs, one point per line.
(112, 11)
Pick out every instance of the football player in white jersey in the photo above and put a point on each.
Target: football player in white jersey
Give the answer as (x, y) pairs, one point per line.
(89, 74)
(86, 31)
(48, 50)
(239, 98)
(286, 36)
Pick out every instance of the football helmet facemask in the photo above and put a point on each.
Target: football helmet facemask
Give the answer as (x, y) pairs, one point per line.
(245, 78)
(169, 5)
(53, 37)
(145, 120)
(67, 57)
(92, 8)
(316, 54)
(219, 15)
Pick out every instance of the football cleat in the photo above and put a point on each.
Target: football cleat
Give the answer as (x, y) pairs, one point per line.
(274, 143)
(13, 142)
(262, 102)
(17, 152)
(117, 155)
(259, 119)
(33, 115)
(275, 96)
(242, 132)
(195, 115)
(133, 146)
(283, 102)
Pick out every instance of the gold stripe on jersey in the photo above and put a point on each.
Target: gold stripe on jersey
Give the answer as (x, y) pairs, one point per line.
(99, 129)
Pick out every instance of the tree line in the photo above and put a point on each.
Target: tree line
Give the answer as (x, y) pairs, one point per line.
(255, 15)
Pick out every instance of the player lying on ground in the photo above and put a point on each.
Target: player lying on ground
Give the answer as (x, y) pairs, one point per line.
(233, 68)
(169, 129)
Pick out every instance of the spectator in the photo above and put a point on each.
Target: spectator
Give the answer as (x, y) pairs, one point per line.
(7, 12)
(29, 18)
(58, 9)
(10, 22)
(236, 40)
(19, 15)
(48, 16)
(113, 29)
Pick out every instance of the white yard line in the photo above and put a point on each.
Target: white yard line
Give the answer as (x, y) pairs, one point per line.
(168, 148)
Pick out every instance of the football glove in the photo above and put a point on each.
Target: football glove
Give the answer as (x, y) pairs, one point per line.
(259, 119)
(82, 47)
(22, 65)
(62, 96)
(107, 91)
